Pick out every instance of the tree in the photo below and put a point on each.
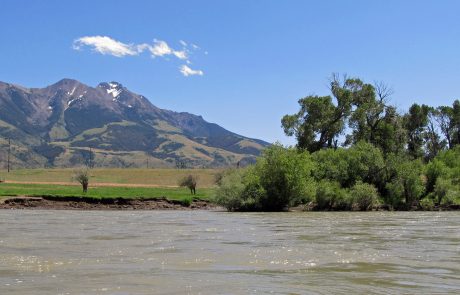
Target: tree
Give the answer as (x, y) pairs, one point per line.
(189, 181)
(415, 122)
(316, 125)
(83, 178)
(456, 123)
(391, 137)
(321, 120)
(434, 144)
(368, 114)
(448, 119)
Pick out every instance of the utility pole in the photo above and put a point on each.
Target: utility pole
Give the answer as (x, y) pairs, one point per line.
(147, 162)
(9, 152)
(90, 157)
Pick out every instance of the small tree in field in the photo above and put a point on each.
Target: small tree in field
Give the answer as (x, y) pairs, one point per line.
(83, 178)
(190, 182)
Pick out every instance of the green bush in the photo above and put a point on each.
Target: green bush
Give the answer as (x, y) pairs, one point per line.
(285, 176)
(445, 192)
(451, 159)
(406, 187)
(441, 189)
(365, 163)
(281, 178)
(330, 196)
(364, 195)
(427, 204)
(361, 162)
(450, 198)
(331, 164)
(434, 170)
(230, 191)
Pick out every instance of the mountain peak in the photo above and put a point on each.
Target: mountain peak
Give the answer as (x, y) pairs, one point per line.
(114, 88)
(57, 125)
(66, 82)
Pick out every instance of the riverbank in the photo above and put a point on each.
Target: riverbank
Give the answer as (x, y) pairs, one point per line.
(89, 203)
(161, 203)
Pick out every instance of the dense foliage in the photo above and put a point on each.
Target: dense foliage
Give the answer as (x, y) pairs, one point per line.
(354, 152)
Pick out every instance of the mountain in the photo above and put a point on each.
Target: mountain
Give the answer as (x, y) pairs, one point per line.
(69, 124)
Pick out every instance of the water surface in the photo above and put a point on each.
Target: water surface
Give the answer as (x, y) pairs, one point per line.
(201, 252)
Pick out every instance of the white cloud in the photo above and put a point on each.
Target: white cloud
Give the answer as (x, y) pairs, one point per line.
(108, 46)
(105, 45)
(186, 71)
(181, 54)
(161, 48)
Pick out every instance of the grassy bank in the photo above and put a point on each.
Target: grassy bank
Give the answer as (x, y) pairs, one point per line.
(12, 189)
(159, 177)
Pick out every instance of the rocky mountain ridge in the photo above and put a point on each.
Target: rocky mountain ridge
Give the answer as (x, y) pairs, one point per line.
(69, 124)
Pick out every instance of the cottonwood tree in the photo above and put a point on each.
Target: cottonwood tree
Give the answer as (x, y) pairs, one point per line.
(321, 119)
(415, 122)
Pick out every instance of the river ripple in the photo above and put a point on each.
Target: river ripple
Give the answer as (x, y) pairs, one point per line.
(202, 252)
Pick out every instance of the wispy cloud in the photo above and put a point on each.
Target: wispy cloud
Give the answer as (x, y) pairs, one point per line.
(109, 46)
(187, 71)
(105, 45)
(161, 48)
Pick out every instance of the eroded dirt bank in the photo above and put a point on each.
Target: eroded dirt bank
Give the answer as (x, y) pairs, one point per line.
(85, 203)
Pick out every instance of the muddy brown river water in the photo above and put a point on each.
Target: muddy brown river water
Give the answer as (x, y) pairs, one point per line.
(205, 252)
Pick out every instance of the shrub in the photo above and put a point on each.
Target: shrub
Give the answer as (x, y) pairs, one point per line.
(434, 170)
(361, 162)
(239, 190)
(280, 178)
(406, 187)
(331, 164)
(285, 176)
(364, 196)
(445, 192)
(83, 178)
(189, 181)
(220, 175)
(330, 196)
(365, 163)
(427, 203)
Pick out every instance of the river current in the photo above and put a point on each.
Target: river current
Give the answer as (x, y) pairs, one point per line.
(205, 252)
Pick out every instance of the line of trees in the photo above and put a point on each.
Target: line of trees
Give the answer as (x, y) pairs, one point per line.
(355, 151)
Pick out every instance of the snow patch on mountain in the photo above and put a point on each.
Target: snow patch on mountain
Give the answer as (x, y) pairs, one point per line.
(114, 89)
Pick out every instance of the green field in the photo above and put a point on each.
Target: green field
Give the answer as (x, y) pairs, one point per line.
(107, 183)
(12, 189)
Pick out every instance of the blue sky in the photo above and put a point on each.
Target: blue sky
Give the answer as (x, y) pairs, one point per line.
(256, 58)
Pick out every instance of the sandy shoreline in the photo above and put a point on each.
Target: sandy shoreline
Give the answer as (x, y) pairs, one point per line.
(84, 203)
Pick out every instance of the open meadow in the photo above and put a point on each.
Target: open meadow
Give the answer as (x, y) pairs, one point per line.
(107, 183)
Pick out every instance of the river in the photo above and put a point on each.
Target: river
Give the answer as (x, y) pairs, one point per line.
(204, 252)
